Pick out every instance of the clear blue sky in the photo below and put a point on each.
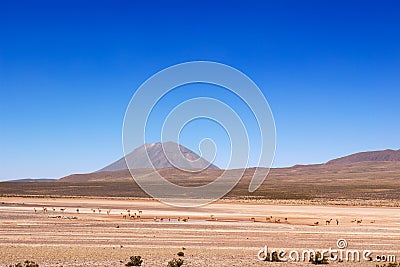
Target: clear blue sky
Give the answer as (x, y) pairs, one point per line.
(329, 69)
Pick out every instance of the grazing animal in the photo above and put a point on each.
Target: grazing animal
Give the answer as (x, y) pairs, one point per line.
(99, 210)
(359, 221)
(93, 210)
(34, 209)
(327, 222)
(54, 209)
(123, 215)
(354, 220)
(277, 220)
(44, 210)
(185, 219)
(372, 221)
(108, 212)
(253, 219)
(139, 211)
(286, 219)
(63, 209)
(337, 222)
(77, 210)
(316, 223)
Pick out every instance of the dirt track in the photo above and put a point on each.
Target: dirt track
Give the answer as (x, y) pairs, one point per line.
(69, 238)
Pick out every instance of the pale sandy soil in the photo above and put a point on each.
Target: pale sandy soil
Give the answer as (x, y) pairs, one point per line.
(93, 239)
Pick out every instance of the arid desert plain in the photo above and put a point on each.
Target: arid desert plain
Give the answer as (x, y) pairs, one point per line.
(104, 218)
(225, 233)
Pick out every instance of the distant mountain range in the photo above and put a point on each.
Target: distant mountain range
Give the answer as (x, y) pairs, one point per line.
(361, 176)
(31, 180)
(156, 152)
(364, 162)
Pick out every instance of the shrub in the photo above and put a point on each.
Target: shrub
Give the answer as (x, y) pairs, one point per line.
(390, 264)
(180, 254)
(135, 261)
(317, 259)
(274, 257)
(26, 263)
(175, 263)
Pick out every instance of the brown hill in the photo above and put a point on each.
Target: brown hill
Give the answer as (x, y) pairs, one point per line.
(371, 156)
(106, 176)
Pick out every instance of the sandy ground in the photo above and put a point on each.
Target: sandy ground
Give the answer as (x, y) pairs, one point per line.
(228, 238)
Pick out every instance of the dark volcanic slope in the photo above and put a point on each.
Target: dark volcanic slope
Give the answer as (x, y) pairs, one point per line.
(157, 152)
(383, 155)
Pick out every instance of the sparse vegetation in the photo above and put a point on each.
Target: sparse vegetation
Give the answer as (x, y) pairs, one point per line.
(175, 263)
(26, 263)
(135, 261)
(274, 257)
(318, 259)
(390, 264)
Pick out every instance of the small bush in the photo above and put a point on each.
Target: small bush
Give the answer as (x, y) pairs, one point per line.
(26, 263)
(274, 257)
(135, 261)
(175, 263)
(180, 254)
(317, 259)
(391, 264)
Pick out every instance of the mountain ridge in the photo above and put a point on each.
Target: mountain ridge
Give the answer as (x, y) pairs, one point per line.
(369, 161)
(32, 180)
(367, 156)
